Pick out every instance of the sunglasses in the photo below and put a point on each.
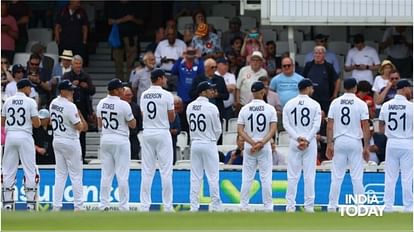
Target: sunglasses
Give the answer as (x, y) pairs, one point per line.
(34, 64)
(286, 65)
(213, 67)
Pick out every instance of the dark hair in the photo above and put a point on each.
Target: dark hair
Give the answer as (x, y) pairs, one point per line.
(270, 42)
(359, 38)
(263, 78)
(394, 71)
(236, 38)
(199, 11)
(364, 86)
(34, 56)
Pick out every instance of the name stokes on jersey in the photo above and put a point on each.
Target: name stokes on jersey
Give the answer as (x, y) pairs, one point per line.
(108, 106)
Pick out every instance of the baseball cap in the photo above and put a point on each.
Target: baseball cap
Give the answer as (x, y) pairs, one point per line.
(350, 83)
(204, 86)
(115, 84)
(157, 73)
(403, 83)
(221, 60)
(24, 83)
(66, 85)
(44, 113)
(257, 54)
(306, 82)
(257, 86)
(17, 67)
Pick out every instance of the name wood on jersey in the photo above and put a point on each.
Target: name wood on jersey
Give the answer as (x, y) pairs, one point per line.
(256, 108)
(57, 108)
(108, 106)
(347, 102)
(17, 102)
(396, 107)
(152, 96)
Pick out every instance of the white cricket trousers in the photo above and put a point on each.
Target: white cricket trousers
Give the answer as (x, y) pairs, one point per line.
(399, 157)
(68, 157)
(347, 153)
(156, 145)
(115, 157)
(296, 162)
(263, 160)
(204, 157)
(19, 145)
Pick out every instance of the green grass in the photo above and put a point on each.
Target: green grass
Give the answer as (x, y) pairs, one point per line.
(203, 221)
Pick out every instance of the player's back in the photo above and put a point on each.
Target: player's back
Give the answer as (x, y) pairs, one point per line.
(347, 111)
(115, 114)
(204, 121)
(256, 117)
(300, 113)
(63, 116)
(397, 114)
(155, 104)
(19, 110)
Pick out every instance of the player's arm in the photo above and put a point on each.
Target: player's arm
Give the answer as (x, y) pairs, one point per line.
(81, 125)
(285, 120)
(216, 123)
(244, 135)
(171, 115)
(329, 136)
(3, 121)
(35, 121)
(132, 123)
(271, 133)
(367, 135)
(316, 124)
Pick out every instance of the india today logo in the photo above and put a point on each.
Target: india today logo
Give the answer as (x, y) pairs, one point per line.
(361, 205)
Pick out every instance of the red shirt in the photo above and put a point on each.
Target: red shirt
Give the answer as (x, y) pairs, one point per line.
(7, 42)
(370, 102)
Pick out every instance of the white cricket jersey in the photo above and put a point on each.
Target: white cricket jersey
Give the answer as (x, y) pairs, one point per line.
(256, 117)
(18, 111)
(115, 114)
(63, 116)
(397, 114)
(155, 104)
(204, 120)
(347, 111)
(302, 117)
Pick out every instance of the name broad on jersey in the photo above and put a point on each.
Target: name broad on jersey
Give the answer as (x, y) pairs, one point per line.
(152, 96)
(347, 101)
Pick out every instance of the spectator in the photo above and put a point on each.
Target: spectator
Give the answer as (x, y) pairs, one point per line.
(271, 97)
(398, 44)
(39, 77)
(277, 158)
(199, 16)
(143, 77)
(11, 88)
(71, 29)
(82, 96)
(362, 60)
(172, 23)
(233, 32)
(377, 146)
(321, 139)
(159, 35)
(123, 13)
(206, 42)
(61, 68)
(252, 42)
(381, 81)
(286, 83)
(42, 137)
(365, 94)
(133, 76)
(169, 50)
(388, 92)
(133, 132)
(230, 80)
(175, 126)
(234, 62)
(188, 35)
(220, 93)
(235, 157)
(330, 57)
(46, 62)
(6, 76)
(20, 11)
(323, 74)
(273, 62)
(247, 76)
(9, 32)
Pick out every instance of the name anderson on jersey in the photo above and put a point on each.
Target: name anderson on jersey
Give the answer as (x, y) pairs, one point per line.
(152, 96)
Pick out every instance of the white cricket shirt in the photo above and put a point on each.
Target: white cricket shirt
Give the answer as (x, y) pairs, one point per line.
(63, 116)
(155, 104)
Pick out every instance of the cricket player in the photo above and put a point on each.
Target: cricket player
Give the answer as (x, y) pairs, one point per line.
(114, 117)
(19, 115)
(344, 133)
(205, 130)
(67, 122)
(396, 120)
(257, 124)
(157, 106)
(302, 119)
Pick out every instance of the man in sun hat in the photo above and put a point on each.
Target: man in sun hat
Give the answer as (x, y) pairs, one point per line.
(63, 67)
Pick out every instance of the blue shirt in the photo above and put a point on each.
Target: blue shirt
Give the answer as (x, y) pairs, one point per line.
(286, 87)
(330, 57)
(186, 76)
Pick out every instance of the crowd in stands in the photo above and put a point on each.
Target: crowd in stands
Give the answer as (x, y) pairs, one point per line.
(232, 60)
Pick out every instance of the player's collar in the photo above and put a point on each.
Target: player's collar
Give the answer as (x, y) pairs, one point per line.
(202, 98)
(156, 86)
(113, 97)
(20, 93)
(399, 96)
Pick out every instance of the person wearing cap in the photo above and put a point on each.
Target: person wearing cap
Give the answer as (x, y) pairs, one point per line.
(257, 124)
(362, 60)
(389, 90)
(19, 115)
(230, 80)
(302, 120)
(114, 119)
(220, 93)
(323, 74)
(67, 123)
(381, 80)
(207, 43)
(64, 66)
(142, 78)
(348, 123)
(43, 139)
(286, 83)
(157, 106)
(169, 50)
(330, 57)
(247, 76)
(205, 130)
(46, 62)
(233, 32)
(18, 73)
(396, 121)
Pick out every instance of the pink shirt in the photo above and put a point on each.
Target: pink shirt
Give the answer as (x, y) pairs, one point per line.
(7, 42)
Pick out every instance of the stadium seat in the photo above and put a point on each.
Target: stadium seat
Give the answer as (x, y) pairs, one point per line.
(283, 46)
(300, 58)
(373, 34)
(229, 138)
(306, 46)
(54, 56)
(247, 22)
(29, 45)
(225, 10)
(182, 139)
(326, 164)
(336, 33)
(339, 47)
(21, 58)
(341, 61)
(183, 21)
(52, 48)
(268, 35)
(182, 164)
(232, 125)
(284, 151)
(220, 23)
(283, 138)
(226, 148)
(43, 35)
(298, 36)
(372, 44)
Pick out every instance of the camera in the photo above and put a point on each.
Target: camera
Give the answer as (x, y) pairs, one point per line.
(253, 35)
